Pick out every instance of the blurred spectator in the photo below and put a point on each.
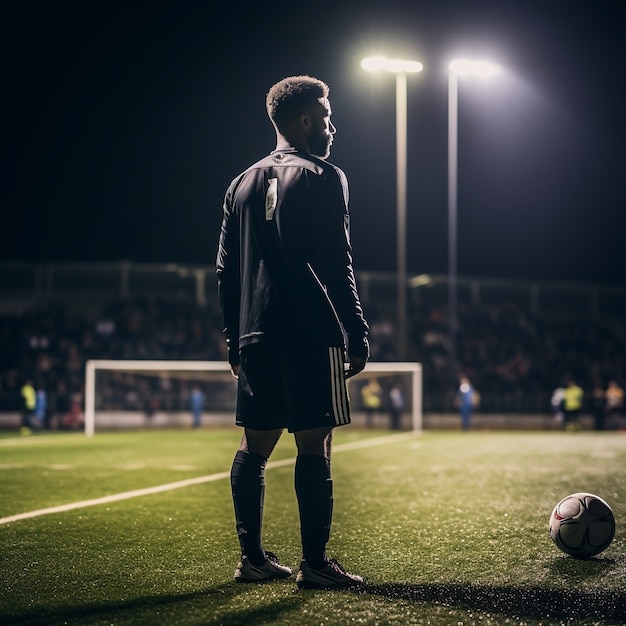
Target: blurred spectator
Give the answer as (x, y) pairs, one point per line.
(372, 399)
(40, 416)
(73, 419)
(468, 399)
(598, 407)
(396, 405)
(556, 404)
(614, 398)
(197, 405)
(29, 402)
(572, 404)
(59, 404)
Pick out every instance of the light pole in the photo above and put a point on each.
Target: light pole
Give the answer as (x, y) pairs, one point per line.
(459, 67)
(401, 68)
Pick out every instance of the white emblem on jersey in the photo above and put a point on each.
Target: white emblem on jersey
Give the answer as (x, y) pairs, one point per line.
(271, 198)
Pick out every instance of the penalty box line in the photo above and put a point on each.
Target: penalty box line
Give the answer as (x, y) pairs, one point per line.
(136, 493)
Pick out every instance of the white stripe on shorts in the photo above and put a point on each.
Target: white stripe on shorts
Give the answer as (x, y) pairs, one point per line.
(340, 403)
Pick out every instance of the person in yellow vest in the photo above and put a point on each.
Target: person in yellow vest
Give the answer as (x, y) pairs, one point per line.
(29, 401)
(372, 398)
(572, 404)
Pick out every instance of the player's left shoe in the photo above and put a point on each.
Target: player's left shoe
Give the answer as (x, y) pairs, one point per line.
(332, 576)
(270, 570)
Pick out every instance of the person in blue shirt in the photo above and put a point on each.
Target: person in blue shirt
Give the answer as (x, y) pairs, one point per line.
(467, 395)
(197, 405)
(41, 408)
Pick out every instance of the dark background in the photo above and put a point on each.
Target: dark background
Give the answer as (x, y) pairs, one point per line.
(125, 122)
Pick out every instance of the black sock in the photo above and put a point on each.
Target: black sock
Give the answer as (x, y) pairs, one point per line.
(247, 483)
(314, 489)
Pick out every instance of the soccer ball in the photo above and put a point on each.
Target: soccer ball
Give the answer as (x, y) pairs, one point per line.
(582, 525)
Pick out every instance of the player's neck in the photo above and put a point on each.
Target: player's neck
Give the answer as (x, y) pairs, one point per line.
(282, 144)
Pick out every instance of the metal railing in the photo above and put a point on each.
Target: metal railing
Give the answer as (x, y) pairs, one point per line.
(23, 283)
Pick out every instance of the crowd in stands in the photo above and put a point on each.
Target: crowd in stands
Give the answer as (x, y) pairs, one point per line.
(504, 350)
(507, 352)
(50, 343)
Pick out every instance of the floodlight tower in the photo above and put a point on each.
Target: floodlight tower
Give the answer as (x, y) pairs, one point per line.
(401, 68)
(458, 67)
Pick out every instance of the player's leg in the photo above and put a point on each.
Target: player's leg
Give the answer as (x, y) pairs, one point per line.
(314, 491)
(247, 481)
(257, 413)
(322, 384)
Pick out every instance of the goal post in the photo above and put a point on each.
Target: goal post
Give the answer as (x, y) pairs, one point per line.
(220, 371)
(138, 366)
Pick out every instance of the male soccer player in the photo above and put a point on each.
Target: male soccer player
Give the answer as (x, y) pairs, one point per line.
(291, 310)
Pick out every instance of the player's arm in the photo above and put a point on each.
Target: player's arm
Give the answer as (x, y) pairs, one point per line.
(227, 266)
(333, 266)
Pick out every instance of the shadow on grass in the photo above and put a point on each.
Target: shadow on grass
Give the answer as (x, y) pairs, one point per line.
(214, 605)
(199, 607)
(513, 602)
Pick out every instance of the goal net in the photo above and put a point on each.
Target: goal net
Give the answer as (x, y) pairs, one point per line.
(137, 394)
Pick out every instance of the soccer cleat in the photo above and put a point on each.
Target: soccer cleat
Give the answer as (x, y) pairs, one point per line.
(270, 570)
(332, 576)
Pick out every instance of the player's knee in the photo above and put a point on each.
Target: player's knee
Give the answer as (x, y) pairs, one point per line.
(261, 442)
(316, 441)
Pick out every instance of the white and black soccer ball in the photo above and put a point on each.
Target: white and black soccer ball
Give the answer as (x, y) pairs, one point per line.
(582, 525)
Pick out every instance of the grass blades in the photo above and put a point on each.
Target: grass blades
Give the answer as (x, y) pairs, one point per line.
(446, 528)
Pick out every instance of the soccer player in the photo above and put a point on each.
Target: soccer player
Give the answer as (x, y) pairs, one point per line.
(293, 324)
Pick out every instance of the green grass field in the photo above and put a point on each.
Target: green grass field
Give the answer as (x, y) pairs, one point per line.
(446, 528)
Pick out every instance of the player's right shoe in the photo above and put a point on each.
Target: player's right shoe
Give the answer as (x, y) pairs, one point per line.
(270, 570)
(332, 576)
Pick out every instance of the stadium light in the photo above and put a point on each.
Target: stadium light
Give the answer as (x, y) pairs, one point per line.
(458, 67)
(482, 69)
(401, 68)
(375, 64)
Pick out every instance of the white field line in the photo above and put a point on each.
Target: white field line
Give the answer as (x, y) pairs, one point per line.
(365, 443)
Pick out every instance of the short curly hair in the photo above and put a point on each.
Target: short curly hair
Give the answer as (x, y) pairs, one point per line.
(289, 96)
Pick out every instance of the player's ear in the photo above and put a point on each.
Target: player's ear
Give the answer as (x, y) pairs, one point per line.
(303, 121)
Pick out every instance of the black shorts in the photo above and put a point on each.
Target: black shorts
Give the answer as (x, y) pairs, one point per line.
(293, 387)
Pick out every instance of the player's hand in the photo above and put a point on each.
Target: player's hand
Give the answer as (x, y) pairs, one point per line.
(234, 370)
(355, 365)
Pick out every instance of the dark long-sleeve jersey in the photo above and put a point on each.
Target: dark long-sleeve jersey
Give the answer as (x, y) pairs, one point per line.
(284, 260)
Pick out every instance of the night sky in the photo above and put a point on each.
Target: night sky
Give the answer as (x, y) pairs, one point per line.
(125, 123)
